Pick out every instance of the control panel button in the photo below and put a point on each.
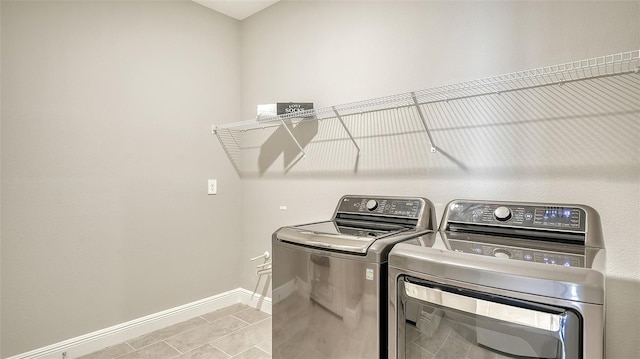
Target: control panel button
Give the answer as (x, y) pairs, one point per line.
(372, 204)
(502, 213)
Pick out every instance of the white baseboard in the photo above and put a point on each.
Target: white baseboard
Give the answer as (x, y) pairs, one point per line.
(255, 300)
(98, 340)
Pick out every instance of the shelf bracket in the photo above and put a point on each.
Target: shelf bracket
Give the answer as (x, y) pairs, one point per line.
(284, 124)
(346, 129)
(424, 121)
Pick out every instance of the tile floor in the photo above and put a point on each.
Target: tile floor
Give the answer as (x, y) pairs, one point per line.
(237, 331)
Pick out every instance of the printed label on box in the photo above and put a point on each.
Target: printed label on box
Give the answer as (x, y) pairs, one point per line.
(288, 108)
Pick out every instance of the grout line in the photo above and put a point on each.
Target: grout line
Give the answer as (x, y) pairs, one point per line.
(220, 349)
(229, 314)
(142, 347)
(120, 356)
(246, 350)
(270, 339)
(243, 328)
(240, 319)
(171, 346)
(129, 352)
(131, 346)
(262, 350)
(262, 320)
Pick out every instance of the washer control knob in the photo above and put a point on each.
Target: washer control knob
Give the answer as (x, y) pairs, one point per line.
(502, 213)
(372, 204)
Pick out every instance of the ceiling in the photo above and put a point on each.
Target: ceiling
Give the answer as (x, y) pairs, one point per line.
(237, 9)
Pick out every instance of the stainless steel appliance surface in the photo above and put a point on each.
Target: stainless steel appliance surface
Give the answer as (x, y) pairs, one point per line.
(330, 277)
(501, 280)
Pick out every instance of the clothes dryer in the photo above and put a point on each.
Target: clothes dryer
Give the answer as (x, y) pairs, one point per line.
(501, 280)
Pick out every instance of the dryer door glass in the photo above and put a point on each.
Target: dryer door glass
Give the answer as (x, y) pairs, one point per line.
(441, 321)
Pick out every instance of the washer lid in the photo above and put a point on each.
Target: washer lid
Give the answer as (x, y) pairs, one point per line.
(338, 236)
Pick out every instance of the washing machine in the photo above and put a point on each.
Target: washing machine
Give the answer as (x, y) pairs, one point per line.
(501, 280)
(330, 277)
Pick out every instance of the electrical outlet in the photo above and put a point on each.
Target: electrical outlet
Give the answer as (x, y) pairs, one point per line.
(212, 187)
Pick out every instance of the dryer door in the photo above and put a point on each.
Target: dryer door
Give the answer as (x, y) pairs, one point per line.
(456, 322)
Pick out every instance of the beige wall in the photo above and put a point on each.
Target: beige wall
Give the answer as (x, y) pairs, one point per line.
(107, 110)
(336, 52)
(0, 190)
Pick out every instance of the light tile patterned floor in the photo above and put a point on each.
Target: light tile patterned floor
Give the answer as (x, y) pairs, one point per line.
(237, 331)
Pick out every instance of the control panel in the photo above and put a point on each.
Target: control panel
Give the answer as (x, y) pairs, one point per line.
(526, 216)
(518, 253)
(382, 206)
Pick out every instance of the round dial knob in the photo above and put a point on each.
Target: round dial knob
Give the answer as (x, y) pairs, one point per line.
(502, 213)
(372, 204)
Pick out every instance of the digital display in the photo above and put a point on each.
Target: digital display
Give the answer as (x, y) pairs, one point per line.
(557, 217)
(404, 208)
(557, 213)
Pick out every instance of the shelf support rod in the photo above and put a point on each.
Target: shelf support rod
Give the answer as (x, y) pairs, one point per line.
(284, 124)
(346, 129)
(424, 121)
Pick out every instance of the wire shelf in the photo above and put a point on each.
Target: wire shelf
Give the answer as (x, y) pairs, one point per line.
(528, 86)
(609, 65)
